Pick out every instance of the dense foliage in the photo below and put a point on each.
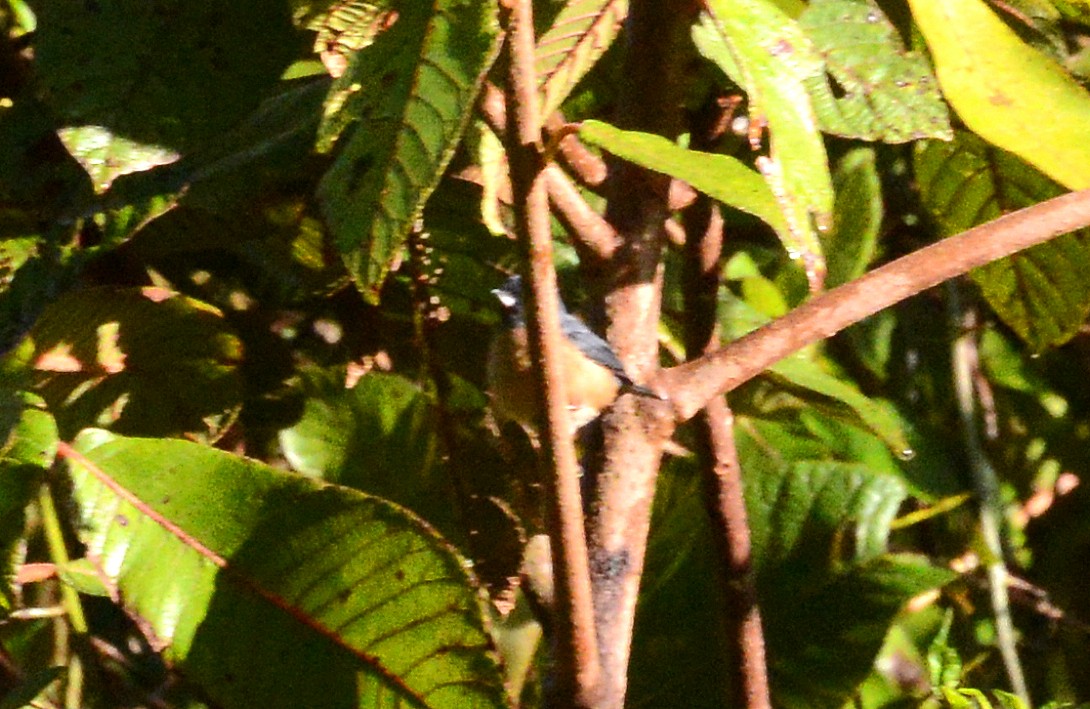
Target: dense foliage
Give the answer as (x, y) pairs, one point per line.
(246, 249)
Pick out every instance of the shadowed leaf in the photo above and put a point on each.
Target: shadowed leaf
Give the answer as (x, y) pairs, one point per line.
(829, 589)
(1041, 293)
(165, 73)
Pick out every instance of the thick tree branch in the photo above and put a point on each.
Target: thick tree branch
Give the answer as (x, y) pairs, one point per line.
(576, 646)
(690, 386)
(649, 100)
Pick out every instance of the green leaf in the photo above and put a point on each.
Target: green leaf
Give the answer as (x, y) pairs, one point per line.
(145, 361)
(721, 177)
(800, 512)
(106, 156)
(273, 144)
(346, 26)
(145, 70)
(272, 590)
(799, 382)
(829, 590)
(1041, 293)
(28, 443)
(378, 437)
(411, 93)
(774, 61)
(881, 92)
(1010, 94)
(839, 399)
(28, 434)
(580, 34)
(852, 243)
(943, 661)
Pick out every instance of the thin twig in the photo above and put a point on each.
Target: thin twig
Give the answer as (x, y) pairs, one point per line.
(720, 469)
(76, 620)
(691, 385)
(986, 487)
(587, 167)
(576, 644)
(593, 236)
(591, 233)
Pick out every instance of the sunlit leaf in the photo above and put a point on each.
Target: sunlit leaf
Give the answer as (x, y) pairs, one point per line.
(875, 89)
(1007, 92)
(397, 115)
(580, 34)
(106, 156)
(271, 590)
(722, 177)
(773, 61)
(28, 442)
(348, 26)
(1041, 293)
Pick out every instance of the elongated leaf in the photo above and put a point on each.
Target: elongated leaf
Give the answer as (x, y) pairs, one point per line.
(882, 91)
(143, 361)
(272, 590)
(580, 34)
(852, 243)
(1041, 293)
(1007, 92)
(839, 399)
(773, 61)
(164, 73)
(721, 177)
(411, 93)
(800, 381)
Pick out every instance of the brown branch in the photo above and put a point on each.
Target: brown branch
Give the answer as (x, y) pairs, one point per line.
(690, 386)
(593, 236)
(720, 469)
(648, 100)
(588, 168)
(576, 645)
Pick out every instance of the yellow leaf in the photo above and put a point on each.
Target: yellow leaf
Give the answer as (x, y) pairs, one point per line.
(1006, 91)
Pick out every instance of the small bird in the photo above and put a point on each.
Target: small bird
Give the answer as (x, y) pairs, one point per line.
(593, 374)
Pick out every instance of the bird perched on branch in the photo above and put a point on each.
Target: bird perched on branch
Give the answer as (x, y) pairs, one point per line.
(593, 374)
